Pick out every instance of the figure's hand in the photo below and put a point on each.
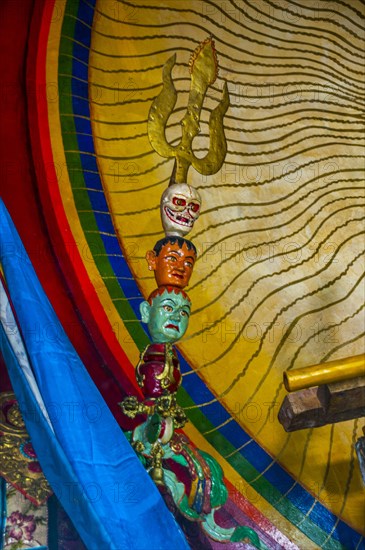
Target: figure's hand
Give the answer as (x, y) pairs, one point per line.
(180, 418)
(163, 404)
(130, 406)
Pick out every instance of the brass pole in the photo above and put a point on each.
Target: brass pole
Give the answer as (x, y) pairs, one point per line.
(325, 373)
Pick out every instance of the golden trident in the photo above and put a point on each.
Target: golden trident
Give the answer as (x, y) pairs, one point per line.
(204, 70)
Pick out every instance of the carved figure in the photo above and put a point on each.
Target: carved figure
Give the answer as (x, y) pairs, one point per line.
(192, 478)
(180, 208)
(172, 260)
(167, 313)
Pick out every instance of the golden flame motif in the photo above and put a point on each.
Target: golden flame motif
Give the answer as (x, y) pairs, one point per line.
(204, 62)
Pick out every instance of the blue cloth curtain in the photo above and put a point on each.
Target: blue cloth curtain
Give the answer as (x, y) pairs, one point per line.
(84, 454)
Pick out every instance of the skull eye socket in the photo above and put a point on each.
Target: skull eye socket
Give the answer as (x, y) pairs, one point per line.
(178, 201)
(194, 206)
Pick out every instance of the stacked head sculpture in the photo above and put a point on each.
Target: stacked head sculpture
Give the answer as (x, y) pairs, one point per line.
(166, 313)
(180, 208)
(164, 451)
(172, 260)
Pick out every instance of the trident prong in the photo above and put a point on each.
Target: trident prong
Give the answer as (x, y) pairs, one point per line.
(204, 70)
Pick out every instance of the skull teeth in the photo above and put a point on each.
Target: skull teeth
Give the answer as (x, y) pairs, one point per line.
(180, 220)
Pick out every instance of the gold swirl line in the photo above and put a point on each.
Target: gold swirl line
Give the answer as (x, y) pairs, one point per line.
(256, 143)
(139, 70)
(293, 143)
(292, 362)
(286, 335)
(124, 102)
(314, 335)
(306, 150)
(332, 77)
(243, 62)
(345, 4)
(113, 175)
(149, 88)
(72, 133)
(247, 130)
(283, 90)
(298, 167)
(127, 56)
(293, 324)
(219, 426)
(156, 234)
(348, 83)
(324, 103)
(134, 70)
(258, 229)
(245, 232)
(240, 101)
(256, 353)
(238, 233)
(120, 138)
(297, 131)
(294, 266)
(283, 198)
(97, 84)
(118, 90)
(282, 310)
(238, 449)
(316, 18)
(269, 215)
(301, 31)
(300, 129)
(291, 113)
(309, 127)
(229, 116)
(118, 122)
(246, 37)
(153, 54)
(138, 189)
(306, 61)
(342, 345)
(241, 374)
(110, 157)
(148, 170)
(135, 213)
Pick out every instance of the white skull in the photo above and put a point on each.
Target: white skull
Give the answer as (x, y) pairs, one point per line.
(180, 207)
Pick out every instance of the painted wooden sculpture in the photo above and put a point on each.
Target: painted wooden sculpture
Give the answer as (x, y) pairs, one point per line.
(192, 477)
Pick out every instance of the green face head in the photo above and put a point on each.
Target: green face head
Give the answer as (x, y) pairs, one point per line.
(167, 317)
